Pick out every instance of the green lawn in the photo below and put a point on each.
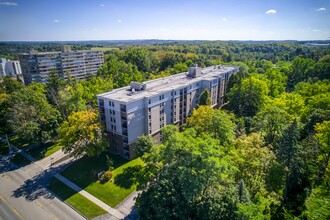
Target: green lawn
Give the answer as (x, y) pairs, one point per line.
(77, 201)
(45, 151)
(84, 174)
(20, 160)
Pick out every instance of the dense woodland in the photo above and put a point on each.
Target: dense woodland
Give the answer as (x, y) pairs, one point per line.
(264, 154)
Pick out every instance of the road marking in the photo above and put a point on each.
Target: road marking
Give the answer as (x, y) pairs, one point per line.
(12, 208)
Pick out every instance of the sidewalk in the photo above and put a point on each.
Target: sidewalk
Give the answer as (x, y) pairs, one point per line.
(57, 158)
(98, 202)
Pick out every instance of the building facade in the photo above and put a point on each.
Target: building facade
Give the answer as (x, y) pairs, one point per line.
(9, 67)
(37, 66)
(144, 108)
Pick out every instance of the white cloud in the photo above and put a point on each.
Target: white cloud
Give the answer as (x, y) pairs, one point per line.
(270, 12)
(321, 9)
(95, 29)
(102, 5)
(316, 30)
(8, 3)
(56, 21)
(224, 19)
(119, 21)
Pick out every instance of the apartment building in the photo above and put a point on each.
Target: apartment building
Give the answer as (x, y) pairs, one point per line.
(37, 66)
(144, 108)
(9, 67)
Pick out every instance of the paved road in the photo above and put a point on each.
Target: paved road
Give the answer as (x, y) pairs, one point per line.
(7, 211)
(23, 189)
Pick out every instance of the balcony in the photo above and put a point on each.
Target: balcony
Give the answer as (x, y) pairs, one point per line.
(124, 124)
(123, 116)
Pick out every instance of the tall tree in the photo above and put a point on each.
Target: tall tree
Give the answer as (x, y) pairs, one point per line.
(190, 179)
(81, 133)
(30, 115)
(246, 98)
(288, 152)
(214, 122)
(10, 85)
(54, 84)
(205, 98)
(143, 145)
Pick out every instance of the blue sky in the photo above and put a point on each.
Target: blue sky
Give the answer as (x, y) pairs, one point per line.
(43, 20)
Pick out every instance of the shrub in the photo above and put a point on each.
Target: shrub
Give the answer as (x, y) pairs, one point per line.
(106, 176)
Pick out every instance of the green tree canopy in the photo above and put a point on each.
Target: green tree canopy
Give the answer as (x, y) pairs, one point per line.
(30, 115)
(205, 98)
(81, 133)
(247, 98)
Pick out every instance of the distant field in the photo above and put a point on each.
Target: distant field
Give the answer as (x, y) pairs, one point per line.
(104, 48)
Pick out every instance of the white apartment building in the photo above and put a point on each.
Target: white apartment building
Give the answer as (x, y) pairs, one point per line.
(144, 108)
(9, 67)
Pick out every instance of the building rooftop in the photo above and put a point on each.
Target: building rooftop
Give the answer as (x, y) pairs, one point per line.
(58, 52)
(156, 86)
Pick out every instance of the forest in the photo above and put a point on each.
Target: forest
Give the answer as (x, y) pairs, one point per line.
(264, 154)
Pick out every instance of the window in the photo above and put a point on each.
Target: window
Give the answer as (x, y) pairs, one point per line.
(149, 101)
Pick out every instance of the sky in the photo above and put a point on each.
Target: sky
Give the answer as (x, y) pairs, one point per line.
(66, 20)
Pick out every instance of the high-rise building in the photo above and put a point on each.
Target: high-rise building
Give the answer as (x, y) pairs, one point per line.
(37, 66)
(2, 67)
(144, 108)
(9, 67)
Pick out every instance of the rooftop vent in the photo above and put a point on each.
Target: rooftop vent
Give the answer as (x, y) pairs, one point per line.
(194, 71)
(137, 86)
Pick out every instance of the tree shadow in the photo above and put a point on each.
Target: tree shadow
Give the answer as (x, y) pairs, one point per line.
(36, 187)
(133, 215)
(128, 177)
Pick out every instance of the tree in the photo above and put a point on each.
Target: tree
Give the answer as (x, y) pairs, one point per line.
(270, 122)
(121, 73)
(277, 82)
(10, 85)
(301, 71)
(322, 136)
(205, 98)
(143, 145)
(246, 98)
(254, 161)
(191, 178)
(54, 84)
(214, 122)
(288, 153)
(317, 204)
(81, 133)
(31, 116)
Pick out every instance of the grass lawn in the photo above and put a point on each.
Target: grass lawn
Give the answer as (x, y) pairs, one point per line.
(45, 151)
(84, 174)
(77, 201)
(20, 160)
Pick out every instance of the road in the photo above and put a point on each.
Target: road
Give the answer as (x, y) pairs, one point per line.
(23, 195)
(7, 211)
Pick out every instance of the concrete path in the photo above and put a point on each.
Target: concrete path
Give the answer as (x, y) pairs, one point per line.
(127, 205)
(92, 198)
